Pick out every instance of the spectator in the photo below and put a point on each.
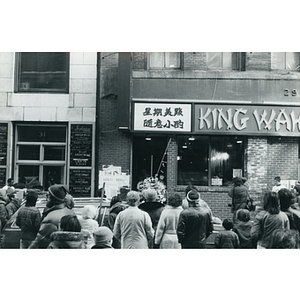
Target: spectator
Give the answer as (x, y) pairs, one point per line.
(243, 228)
(152, 206)
(267, 220)
(239, 195)
(116, 206)
(296, 204)
(9, 182)
(166, 236)
(3, 211)
(103, 238)
(194, 224)
(285, 199)
(284, 239)
(227, 239)
(69, 236)
(133, 226)
(13, 205)
(88, 224)
(55, 200)
(29, 220)
(278, 185)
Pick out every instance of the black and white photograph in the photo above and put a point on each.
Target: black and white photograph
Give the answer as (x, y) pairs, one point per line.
(175, 148)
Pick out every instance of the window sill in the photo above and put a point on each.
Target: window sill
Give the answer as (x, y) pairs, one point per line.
(214, 189)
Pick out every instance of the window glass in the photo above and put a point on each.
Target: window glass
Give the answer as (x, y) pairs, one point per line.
(29, 152)
(54, 153)
(214, 60)
(207, 161)
(285, 60)
(193, 160)
(43, 71)
(164, 60)
(222, 60)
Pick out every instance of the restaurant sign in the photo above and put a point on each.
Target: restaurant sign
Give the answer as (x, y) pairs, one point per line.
(172, 117)
(247, 120)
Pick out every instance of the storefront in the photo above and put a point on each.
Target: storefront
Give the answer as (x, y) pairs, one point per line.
(208, 144)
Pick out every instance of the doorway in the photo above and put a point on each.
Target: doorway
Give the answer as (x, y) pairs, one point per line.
(149, 159)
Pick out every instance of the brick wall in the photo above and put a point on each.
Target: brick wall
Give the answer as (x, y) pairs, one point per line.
(114, 145)
(194, 61)
(139, 60)
(258, 61)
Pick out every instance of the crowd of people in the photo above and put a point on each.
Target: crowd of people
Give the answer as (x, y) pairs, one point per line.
(143, 221)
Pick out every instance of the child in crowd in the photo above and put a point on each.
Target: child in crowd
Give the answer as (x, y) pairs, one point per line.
(88, 224)
(243, 228)
(227, 239)
(103, 238)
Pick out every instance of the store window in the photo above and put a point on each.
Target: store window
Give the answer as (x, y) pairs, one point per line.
(209, 161)
(42, 72)
(167, 60)
(224, 61)
(41, 154)
(285, 61)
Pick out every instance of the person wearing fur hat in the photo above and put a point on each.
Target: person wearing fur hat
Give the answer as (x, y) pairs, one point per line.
(56, 200)
(103, 238)
(195, 224)
(133, 227)
(69, 236)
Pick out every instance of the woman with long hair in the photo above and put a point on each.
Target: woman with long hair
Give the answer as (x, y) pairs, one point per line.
(268, 220)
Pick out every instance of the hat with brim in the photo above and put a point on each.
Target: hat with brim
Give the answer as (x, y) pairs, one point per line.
(58, 192)
(193, 196)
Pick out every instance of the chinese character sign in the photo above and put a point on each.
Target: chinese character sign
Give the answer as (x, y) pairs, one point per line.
(162, 117)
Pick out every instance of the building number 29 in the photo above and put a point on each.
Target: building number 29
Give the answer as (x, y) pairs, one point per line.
(288, 93)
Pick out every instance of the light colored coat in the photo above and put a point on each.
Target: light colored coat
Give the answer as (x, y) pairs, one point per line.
(133, 228)
(166, 235)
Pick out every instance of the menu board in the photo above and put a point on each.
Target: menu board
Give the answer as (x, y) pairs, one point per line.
(80, 182)
(2, 177)
(3, 143)
(81, 145)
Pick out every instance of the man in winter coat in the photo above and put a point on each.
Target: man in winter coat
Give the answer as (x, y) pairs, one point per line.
(133, 227)
(29, 220)
(194, 224)
(56, 200)
(3, 211)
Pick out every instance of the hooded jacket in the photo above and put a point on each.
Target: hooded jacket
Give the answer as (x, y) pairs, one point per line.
(66, 240)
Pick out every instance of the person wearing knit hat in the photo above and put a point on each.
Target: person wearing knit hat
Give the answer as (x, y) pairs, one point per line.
(103, 238)
(195, 223)
(56, 210)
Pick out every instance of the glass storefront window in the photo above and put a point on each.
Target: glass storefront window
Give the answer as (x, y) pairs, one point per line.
(29, 152)
(54, 153)
(209, 161)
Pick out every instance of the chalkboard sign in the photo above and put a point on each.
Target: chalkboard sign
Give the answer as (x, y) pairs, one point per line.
(81, 145)
(80, 182)
(3, 144)
(2, 177)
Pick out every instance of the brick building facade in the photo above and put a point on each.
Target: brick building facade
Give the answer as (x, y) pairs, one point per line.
(250, 81)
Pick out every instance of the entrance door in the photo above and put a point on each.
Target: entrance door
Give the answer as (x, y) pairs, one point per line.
(149, 159)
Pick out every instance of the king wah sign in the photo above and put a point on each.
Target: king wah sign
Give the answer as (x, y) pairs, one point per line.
(247, 120)
(159, 117)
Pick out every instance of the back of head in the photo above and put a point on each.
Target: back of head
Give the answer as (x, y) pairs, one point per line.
(89, 212)
(284, 239)
(150, 195)
(70, 223)
(243, 215)
(31, 198)
(103, 235)
(132, 198)
(2, 194)
(193, 197)
(277, 178)
(174, 200)
(285, 198)
(189, 188)
(227, 224)
(271, 203)
(57, 193)
(237, 181)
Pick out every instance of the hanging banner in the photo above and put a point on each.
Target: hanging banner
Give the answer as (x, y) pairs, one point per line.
(171, 117)
(247, 120)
